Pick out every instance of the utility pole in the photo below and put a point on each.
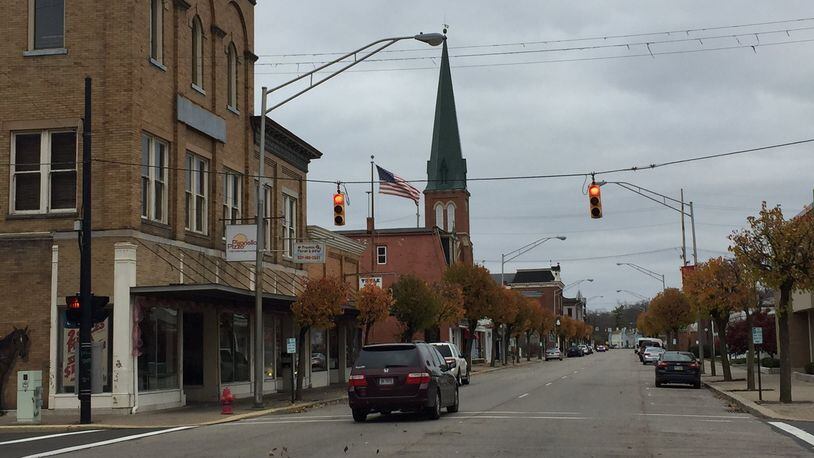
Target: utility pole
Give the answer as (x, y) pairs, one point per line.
(85, 350)
(259, 372)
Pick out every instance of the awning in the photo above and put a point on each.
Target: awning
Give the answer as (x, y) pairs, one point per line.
(214, 293)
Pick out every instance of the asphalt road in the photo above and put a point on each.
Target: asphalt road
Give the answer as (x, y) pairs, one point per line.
(604, 404)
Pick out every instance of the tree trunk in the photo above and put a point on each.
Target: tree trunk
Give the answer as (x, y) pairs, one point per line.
(506, 337)
(367, 332)
(712, 350)
(300, 366)
(407, 335)
(750, 353)
(543, 346)
(495, 328)
(468, 352)
(783, 310)
(528, 345)
(722, 322)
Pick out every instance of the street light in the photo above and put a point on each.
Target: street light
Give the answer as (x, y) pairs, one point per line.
(632, 293)
(522, 250)
(432, 39)
(647, 272)
(577, 283)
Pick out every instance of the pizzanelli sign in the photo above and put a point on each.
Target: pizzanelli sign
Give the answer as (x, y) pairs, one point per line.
(241, 242)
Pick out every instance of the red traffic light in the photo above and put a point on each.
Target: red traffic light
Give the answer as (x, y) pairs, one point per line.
(339, 199)
(73, 303)
(593, 190)
(595, 200)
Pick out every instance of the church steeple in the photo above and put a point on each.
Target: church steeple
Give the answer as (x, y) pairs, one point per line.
(446, 169)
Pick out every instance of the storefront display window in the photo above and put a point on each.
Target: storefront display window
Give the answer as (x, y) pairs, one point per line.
(318, 351)
(158, 352)
(69, 337)
(235, 347)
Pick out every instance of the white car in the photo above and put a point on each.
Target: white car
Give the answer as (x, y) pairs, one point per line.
(455, 360)
(651, 354)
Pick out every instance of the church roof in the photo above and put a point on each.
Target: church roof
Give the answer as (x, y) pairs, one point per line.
(446, 169)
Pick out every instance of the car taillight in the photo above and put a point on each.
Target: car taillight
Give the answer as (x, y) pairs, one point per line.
(662, 364)
(693, 365)
(450, 361)
(417, 378)
(357, 380)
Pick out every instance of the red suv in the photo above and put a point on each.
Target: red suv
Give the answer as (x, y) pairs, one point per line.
(410, 377)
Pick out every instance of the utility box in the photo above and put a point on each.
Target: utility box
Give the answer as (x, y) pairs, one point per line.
(29, 396)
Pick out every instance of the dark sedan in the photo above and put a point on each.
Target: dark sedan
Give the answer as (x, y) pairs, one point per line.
(574, 351)
(678, 367)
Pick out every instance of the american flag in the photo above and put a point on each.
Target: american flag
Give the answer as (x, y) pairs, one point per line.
(390, 183)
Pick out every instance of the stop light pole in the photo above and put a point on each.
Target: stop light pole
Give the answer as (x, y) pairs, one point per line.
(85, 299)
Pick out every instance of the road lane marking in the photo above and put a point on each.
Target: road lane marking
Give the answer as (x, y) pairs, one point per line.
(564, 376)
(50, 436)
(729, 417)
(284, 422)
(794, 431)
(717, 421)
(547, 384)
(576, 372)
(522, 396)
(511, 412)
(107, 442)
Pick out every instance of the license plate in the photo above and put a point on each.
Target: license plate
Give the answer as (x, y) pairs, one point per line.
(678, 368)
(386, 381)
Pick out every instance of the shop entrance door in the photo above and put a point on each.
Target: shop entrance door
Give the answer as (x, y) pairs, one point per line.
(193, 349)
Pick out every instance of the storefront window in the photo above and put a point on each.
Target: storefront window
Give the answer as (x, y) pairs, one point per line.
(281, 348)
(333, 348)
(318, 353)
(158, 359)
(269, 322)
(101, 335)
(234, 348)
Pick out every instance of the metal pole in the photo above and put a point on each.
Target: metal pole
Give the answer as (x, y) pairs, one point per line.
(372, 221)
(683, 233)
(258, 263)
(417, 216)
(502, 263)
(692, 226)
(85, 346)
(702, 335)
(759, 382)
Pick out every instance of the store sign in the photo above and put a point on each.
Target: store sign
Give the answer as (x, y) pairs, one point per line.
(241, 242)
(309, 252)
(375, 281)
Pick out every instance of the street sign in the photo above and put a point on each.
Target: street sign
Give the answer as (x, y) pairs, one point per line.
(757, 336)
(375, 281)
(291, 346)
(309, 252)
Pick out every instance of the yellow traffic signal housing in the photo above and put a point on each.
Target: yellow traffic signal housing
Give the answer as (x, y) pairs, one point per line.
(339, 209)
(595, 200)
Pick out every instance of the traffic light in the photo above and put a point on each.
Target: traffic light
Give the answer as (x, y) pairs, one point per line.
(339, 209)
(595, 200)
(73, 312)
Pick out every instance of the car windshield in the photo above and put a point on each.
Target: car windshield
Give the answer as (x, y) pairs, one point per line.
(675, 356)
(444, 349)
(387, 356)
(653, 349)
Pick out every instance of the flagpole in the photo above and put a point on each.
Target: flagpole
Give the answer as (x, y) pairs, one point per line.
(417, 216)
(372, 219)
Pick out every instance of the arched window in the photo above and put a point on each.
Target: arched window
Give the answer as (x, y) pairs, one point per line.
(439, 215)
(232, 75)
(451, 217)
(197, 52)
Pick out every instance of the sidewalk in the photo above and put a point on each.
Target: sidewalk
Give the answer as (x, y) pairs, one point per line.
(802, 409)
(200, 414)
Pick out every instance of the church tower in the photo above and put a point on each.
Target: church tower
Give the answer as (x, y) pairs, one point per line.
(446, 199)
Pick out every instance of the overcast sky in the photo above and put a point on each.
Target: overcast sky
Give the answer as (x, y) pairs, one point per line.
(593, 109)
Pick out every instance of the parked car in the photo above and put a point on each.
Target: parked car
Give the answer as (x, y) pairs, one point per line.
(678, 367)
(409, 377)
(601, 348)
(586, 349)
(553, 353)
(644, 342)
(455, 360)
(651, 354)
(574, 351)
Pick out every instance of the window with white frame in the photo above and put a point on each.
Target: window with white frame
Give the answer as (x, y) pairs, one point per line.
(232, 197)
(43, 172)
(439, 215)
(450, 217)
(197, 193)
(153, 179)
(381, 254)
(231, 59)
(289, 224)
(197, 53)
(156, 30)
(47, 24)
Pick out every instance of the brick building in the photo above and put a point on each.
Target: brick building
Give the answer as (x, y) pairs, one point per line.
(175, 158)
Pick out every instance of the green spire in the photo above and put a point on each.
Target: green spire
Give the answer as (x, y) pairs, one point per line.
(446, 168)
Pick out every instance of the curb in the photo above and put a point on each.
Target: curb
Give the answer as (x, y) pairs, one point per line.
(749, 406)
(226, 419)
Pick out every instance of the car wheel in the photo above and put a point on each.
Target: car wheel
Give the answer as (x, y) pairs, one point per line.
(560, 358)
(697, 385)
(359, 415)
(434, 412)
(385, 413)
(658, 384)
(454, 407)
(466, 380)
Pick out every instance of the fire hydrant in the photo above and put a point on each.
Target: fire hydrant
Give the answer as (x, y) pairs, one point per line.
(226, 400)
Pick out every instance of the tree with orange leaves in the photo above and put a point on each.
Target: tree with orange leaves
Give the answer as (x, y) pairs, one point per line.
(450, 306)
(717, 288)
(503, 314)
(546, 325)
(670, 311)
(316, 307)
(778, 253)
(374, 305)
(645, 325)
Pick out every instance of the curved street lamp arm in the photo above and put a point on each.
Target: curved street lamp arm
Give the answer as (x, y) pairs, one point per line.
(526, 248)
(648, 272)
(648, 194)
